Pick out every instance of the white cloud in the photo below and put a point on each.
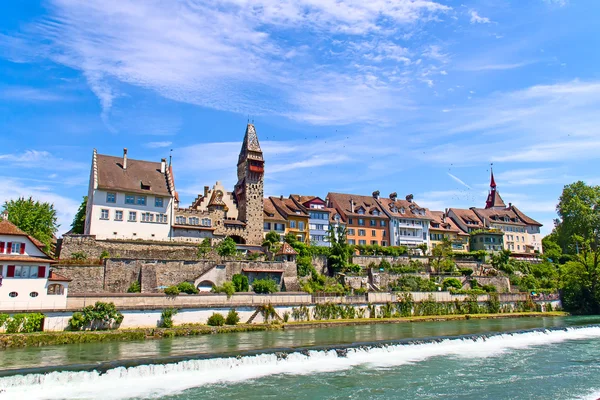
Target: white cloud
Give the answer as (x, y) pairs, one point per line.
(457, 179)
(24, 93)
(158, 145)
(39, 159)
(496, 67)
(559, 3)
(478, 19)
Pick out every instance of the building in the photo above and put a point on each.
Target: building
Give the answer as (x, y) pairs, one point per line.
(133, 199)
(129, 199)
(296, 217)
(318, 222)
(26, 279)
(409, 223)
(366, 222)
(442, 227)
(466, 219)
(488, 240)
(273, 220)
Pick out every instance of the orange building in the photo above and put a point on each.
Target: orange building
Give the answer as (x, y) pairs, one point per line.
(365, 221)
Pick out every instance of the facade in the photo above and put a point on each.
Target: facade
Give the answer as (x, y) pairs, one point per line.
(295, 215)
(409, 223)
(490, 241)
(26, 280)
(442, 227)
(129, 199)
(318, 222)
(273, 220)
(366, 222)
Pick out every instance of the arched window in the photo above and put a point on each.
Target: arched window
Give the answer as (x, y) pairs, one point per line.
(56, 289)
(13, 294)
(33, 294)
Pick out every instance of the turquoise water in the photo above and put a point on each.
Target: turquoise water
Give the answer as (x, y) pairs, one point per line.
(551, 363)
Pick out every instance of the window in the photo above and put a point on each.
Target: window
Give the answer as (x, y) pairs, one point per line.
(351, 232)
(374, 242)
(13, 294)
(118, 215)
(15, 247)
(140, 200)
(129, 199)
(132, 216)
(384, 233)
(267, 226)
(351, 241)
(301, 225)
(362, 242)
(161, 218)
(518, 247)
(26, 271)
(373, 233)
(361, 211)
(361, 232)
(293, 224)
(33, 294)
(382, 223)
(104, 213)
(56, 289)
(373, 222)
(194, 221)
(147, 217)
(522, 238)
(111, 197)
(517, 238)
(384, 243)
(350, 221)
(159, 202)
(280, 227)
(361, 222)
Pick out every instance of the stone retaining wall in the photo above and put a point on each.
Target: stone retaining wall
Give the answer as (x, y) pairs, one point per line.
(364, 261)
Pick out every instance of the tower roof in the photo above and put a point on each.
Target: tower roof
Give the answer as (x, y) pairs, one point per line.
(492, 181)
(250, 145)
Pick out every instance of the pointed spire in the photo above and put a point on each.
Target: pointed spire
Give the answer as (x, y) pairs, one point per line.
(250, 145)
(492, 181)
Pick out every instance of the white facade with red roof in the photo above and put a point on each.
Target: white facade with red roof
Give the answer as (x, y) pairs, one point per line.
(26, 281)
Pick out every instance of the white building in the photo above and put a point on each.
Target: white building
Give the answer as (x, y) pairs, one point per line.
(409, 223)
(26, 280)
(130, 199)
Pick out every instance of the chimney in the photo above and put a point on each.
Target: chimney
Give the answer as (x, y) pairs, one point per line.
(206, 191)
(124, 159)
(409, 198)
(393, 196)
(376, 194)
(509, 205)
(281, 197)
(163, 165)
(352, 205)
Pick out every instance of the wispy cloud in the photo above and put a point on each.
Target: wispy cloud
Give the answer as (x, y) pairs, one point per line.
(31, 94)
(457, 179)
(478, 19)
(559, 3)
(39, 159)
(496, 67)
(158, 145)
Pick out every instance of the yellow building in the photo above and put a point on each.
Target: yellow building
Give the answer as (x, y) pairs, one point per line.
(296, 217)
(442, 227)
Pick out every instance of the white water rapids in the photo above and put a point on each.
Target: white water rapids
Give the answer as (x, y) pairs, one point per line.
(168, 379)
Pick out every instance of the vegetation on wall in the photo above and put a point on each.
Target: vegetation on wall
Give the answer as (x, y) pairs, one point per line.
(135, 287)
(97, 317)
(22, 323)
(204, 248)
(227, 248)
(264, 286)
(166, 317)
(228, 288)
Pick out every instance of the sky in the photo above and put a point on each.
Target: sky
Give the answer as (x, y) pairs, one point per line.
(409, 96)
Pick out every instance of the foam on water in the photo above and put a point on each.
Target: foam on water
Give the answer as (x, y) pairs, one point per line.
(162, 379)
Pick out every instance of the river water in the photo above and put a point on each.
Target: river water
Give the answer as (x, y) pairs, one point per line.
(528, 358)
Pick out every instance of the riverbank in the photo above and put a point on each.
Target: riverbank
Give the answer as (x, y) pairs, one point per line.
(20, 340)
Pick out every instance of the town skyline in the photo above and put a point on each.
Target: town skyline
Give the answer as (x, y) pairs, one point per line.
(380, 102)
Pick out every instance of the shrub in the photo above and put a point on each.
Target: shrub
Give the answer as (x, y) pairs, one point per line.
(240, 283)
(186, 287)
(216, 320)
(166, 317)
(228, 288)
(451, 283)
(104, 255)
(227, 248)
(232, 317)
(286, 315)
(135, 287)
(78, 256)
(22, 323)
(493, 303)
(490, 288)
(204, 248)
(385, 265)
(267, 311)
(264, 286)
(99, 316)
(172, 291)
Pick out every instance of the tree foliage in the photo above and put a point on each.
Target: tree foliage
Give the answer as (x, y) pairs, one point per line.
(240, 282)
(341, 251)
(227, 248)
(204, 248)
(264, 286)
(78, 224)
(34, 218)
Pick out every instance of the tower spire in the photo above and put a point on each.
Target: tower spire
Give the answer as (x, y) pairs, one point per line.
(492, 181)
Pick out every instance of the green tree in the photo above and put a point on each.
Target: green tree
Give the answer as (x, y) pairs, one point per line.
(451, 283)
(78, 224)
(341, 251)
(34, 218)
(264, 286)
(204, 248)
(240, 282)
(441, 254)
(578, 234)
(227, 248)
(552, 250)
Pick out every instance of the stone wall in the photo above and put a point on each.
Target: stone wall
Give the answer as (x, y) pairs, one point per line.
(320, 264)
(382, 280)
(364, 261)
(134, 249)
(502, 283)
(85, 278)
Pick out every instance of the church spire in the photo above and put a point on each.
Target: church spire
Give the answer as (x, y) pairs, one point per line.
(494, 200)
(492, 181)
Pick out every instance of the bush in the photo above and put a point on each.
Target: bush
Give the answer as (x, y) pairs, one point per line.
(22, 323)
(104, 254)
(240, 283)
(172, 291)
(228, 288)
(166, 317)
(304, 265)
(451, 283)
(186, 287)
(227, 248)
(264, 286)
(490, 288)
(78, 256)
(385, 265)
(135, 287)
(99, 316)
(216, 320)
(232, 317)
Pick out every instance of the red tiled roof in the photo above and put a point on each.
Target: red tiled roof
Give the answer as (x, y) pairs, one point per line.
(10, 229)
(270, 212)
(525, 218)
(497, 216)
(54, 277)
(24, 258)
(287, 207)
(446, 224)
(467, 215)
(494, 200)
(343, 204)
(411, 209)
(286, 250)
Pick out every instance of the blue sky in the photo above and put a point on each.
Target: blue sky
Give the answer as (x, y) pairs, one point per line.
(411, 96)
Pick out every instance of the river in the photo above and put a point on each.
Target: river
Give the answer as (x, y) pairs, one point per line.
(525, 358)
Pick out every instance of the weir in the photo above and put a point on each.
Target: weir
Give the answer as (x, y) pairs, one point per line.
(138, 378)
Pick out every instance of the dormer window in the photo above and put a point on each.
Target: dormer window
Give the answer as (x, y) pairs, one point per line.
(375, 212)
(145, 186)
(361, 211)
(402, 210)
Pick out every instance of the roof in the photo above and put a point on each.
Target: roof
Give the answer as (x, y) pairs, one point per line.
(10, 229)
(403, 209)
(343, 203)
(286, 250)
(287, 207)
(494, 200)
(332, 213)
(54, 277)
(270, 212)
(525, 218)
(492, 215)
(467, 215)
(250, 145)
(307, 199)
(25, 258)
(445, 224)
(216, 199)
(111, 175)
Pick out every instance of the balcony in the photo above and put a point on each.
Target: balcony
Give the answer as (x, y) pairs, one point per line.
(257, 169)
